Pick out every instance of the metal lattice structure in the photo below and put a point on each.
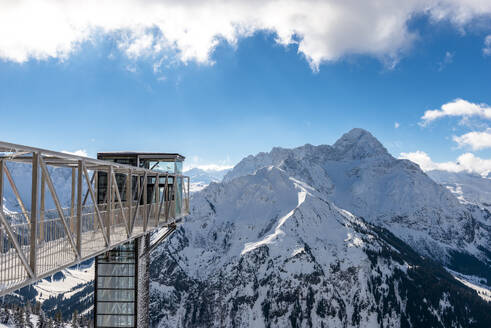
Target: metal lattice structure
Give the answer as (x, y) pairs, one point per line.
(36, 242)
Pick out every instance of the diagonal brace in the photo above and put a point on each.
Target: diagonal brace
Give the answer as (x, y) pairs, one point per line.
(51, 188)
(92, 195)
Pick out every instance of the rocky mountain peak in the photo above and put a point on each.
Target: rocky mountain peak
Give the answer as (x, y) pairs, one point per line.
(359, 144)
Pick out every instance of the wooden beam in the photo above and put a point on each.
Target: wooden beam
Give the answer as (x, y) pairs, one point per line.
(51, 188)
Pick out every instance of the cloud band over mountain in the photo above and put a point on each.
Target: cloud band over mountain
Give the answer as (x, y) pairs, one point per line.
(190, 31)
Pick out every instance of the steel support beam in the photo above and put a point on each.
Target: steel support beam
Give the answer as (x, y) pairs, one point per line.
(96, 208)
(72, 202)
(79, 207)
(13, 239)
(109, 203)
(129, 197)
(118, 198)
(34, 213)
(16, 193)
(51, 188)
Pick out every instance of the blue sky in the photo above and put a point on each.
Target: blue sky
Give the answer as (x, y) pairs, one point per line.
(251, 94)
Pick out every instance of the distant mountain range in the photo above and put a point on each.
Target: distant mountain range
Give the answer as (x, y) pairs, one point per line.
(201, 178)
(340, 235)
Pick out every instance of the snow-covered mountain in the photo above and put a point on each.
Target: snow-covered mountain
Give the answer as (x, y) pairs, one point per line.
(201, 178)
(468, 187)
(318, 236)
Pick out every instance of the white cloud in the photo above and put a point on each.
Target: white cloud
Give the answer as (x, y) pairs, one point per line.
(457, 108)
(466, 162)
(396, 125)
(476, 140)
(190, 30)
(487, 46)
(80, 152)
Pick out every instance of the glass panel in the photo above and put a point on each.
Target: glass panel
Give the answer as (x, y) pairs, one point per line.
(114, 321)
(115, 295)
(104, 269)
(178, 197)
(178, 167)
(115, 282)
(163, 166)
(116, 308)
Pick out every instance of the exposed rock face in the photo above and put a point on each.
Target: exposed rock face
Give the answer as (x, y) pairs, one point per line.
(307, 238)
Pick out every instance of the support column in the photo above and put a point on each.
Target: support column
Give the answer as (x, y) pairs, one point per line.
(109, 204)
(79, 208)
(34, 213)
(129, 197)
(1, 185)
(143, 281)
(72, 203)
(42, 205)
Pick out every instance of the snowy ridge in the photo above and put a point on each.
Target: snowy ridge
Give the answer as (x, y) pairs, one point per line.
(272, 246)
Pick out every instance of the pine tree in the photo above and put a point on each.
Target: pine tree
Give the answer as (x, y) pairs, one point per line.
(19, 318)
(42, 322)
(75, 319)
(59, 320)
(28, 311)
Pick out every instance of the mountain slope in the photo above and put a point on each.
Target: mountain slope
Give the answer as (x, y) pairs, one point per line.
(467, 187)
(269, 250)
(359, 175)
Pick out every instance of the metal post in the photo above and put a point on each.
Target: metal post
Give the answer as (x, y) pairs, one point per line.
(129, 196)
(145, 187)
(16, 193)
(41, 211)
(34, 212)
(1, 185)
(1, 201)
(109, 204)
(157, 199)
(72, 203)
(79, 208)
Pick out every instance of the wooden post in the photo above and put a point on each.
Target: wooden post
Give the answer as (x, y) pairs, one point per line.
(34, 213)
(109, 204)
(72, 202)
(79, 208)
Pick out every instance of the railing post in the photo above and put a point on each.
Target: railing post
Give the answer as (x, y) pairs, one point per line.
(1, 185)
(79, 208)
(34, 212)
(42, 207)
(157, 199)
(72, 203)
(145, 193)
(129, 196)
(1, 202)
(109, 205)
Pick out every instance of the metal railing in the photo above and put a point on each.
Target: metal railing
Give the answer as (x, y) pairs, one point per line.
(68, 235)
